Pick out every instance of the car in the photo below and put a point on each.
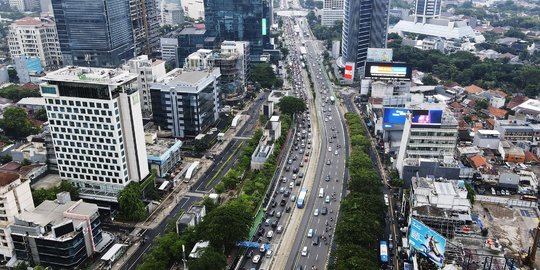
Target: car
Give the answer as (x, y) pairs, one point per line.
(304, 251)
(329, 148)
(269, 234)
(249, 254)
(282, 189)
(261, 231)
(310, 233)
(294, 176)
(327, 199)
(327, 179)
(295, 170)
(279, 229)
(386, 201)
(289, 161)
(284, 179)
(268, 253)
(316, 241)
(256, 259)
(306, 159)
(294, 158)
(336, 152)
(274, 224)
(283, 202)
(316, 212)
(288, 209)
(271, 213)
(287, 193)
(274, 203)
(301, 175)
(301, 164)
(324, 210)
(287, 168)
(328, 162)
(325, 119)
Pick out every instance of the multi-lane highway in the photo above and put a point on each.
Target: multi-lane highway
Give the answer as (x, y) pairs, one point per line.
(327, 187)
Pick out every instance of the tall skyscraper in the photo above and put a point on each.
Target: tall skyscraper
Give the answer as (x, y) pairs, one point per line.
(365, 25)
(247, 20)
(97, 130)
(426, 9)
(94, 33)
(145, 20)
(332, 11)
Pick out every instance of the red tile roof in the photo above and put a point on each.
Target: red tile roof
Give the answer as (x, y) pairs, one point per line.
(498, 113)
(515, 101)
(478, 161)
(498, 92)
(473, 89)
(7, 178)
(531, 157)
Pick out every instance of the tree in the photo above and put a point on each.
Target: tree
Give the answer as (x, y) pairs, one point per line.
(5, 159)
(42, 194)
(41, 115)
(131, 205)
(21, 266)
(210, 259)
(284, 51)
(429, 80)
(26, 162)
(202, 144)
(16, 123)
(264, 75)
(291, 105)
(226, 225)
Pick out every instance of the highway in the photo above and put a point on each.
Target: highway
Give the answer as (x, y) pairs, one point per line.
(330, 166)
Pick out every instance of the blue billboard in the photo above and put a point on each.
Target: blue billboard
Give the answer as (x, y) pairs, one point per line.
(426, 117)
(394, 116)
(426, 241)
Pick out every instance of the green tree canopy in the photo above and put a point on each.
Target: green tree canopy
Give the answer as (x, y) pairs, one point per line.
(131, 205)
(264, 75)
(42, 194)
(16, 123)
(16, 93)
(226, 225)
(210, 259)
(291, 105)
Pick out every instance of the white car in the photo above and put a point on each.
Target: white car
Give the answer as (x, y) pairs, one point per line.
(336, 152)
(329, 148)
(310, 233)
(304, 252)
(316, 212)
(386, 201)
(256, 259)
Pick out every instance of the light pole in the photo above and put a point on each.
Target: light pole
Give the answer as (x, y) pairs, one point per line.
(184, 257)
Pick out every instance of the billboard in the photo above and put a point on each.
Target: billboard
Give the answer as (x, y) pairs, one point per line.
(426, 117)
(393, 117)
(383, 70)
(263, 26)
(379, 55)
(349, 71)
(427, 242)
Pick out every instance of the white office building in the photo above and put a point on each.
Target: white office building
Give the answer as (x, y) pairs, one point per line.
(171, 14)
(186, 102)
(427, 136)
(148, 71)
(96, 124)
(15, 198)
(194, 9)
(332, 11)
(35, 37)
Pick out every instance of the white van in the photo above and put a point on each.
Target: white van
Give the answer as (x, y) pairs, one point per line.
(321, 192)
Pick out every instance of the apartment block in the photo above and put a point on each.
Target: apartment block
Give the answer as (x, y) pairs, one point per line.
(148, 71)
(15, 197)
(332, 12)
(35, 37)
(96, 125)
(186, 102)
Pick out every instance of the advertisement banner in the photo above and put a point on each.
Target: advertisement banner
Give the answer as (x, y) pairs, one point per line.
(380, 70)
(349, 71)
(379, 55)
(426, 117)
(427, 242)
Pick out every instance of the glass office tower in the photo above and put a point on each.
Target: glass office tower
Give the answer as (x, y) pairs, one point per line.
(365, 24)
(244, 20)
(95, 33)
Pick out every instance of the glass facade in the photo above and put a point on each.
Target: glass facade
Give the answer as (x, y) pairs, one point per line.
(94, 33)
(365, 24)
(240, 21)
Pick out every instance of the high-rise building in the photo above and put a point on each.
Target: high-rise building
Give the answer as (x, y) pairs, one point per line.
(145, 20)
(28, 68)
(46, 8)
(171, 14)
(194, 9)
(426, 9)
(24, 5)
(35, 37)
(365, 24)
(186, 102)
(15, 198)
(97, 130)
(60, 233)
(332, 11)
(247, 20)
(149, 71)
(94, 33)
(427, 134)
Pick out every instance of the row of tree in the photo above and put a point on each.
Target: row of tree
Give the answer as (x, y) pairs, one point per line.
(362, 223)
(42, 194)
(224, 225)
(465, 68)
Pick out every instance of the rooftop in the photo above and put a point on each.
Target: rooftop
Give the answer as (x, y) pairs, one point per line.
(7, 178)
(162, 147)
(32, 101)
(530, 105)
(473, 89)
(488, 132)
(437, 27)
(37, 22)
(193, 31)
(440, 194)
(88, 75)
(191, 77)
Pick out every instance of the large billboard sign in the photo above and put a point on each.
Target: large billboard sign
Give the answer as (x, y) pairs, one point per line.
(427, 242)
(426, 117)
(381, 70)
(379, 55)
(393, 117)
(349, 71)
